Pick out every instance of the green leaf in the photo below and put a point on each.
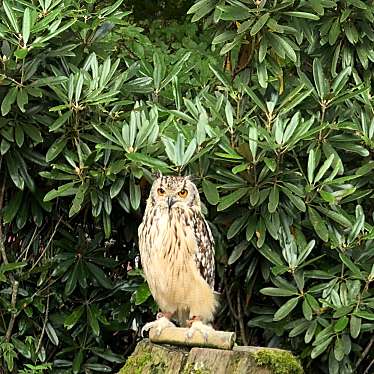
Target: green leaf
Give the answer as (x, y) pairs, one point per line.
(253, 139)
(324, 167)
(271, 255)
(251, 227)
(355, 326)
(134, 195)
(229, 114)
(341, 324)
(333, 363)
(318, 224)
(26, 26)
(72, 319)
(339, 349)
(158, 69)
(311, 165)
(64, 190)
(358, 225)
(307, 310)
(92, 320)
(273, 199)
(116, 187)
(142, 294)
(302, 15)
(320, 348)
(8, 100)
(21, 347)
(78, 199)
(11, 266)
(295, 200)
(33, 132)
(12, 207)
(51, 333)
(237, 252)
(310, 332)
(56, 148)
(77, 362)
(299, 329)
(175, 70)
(335, 216)
(60, 121)
(11, 16)
(71, 282)
(148, 161)
(22, 99)
(286, 309)
(365, 315)
(99, 275)
(232, 198)
(272, 291)
(210, 192)
(350, 265)
(259, 24)
(319, 79)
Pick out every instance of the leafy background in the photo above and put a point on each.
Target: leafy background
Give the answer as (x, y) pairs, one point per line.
(266, 103)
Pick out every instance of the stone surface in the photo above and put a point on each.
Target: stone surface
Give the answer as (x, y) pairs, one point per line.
(151, 358)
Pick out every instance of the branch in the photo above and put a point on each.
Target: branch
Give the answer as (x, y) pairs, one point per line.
(14, 283)
(44, 325)
(365, 352)
(241, 321)
(178, 336)
(8, 334)
(47, 246)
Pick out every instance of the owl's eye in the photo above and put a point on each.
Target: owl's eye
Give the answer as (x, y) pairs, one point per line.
(183, 193)
(161, 191)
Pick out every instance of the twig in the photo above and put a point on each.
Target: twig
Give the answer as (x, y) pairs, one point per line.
(47, 246)
(368, 368)
(2, 247)
(231, 307)
(8, 334)
(44, 326)
(241, 321)
(24, 253)
(14, 283)
(365, 352)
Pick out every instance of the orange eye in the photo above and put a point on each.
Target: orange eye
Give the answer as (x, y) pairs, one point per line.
(183, 193)
(161, 191)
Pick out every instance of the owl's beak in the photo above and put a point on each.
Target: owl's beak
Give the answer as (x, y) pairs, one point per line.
(171, 201)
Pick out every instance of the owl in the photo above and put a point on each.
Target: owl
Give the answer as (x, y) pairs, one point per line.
(177, 255)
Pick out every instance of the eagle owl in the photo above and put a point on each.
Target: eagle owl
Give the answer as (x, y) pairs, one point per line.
(177, 255)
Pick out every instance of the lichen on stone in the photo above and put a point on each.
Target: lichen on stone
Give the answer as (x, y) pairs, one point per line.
(280, 362)
(196, 368)
(138, 363)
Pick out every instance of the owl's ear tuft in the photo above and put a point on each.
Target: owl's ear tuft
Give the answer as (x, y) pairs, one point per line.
(157, 174)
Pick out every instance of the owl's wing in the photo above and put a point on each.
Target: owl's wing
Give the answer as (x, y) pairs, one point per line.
(204, 256)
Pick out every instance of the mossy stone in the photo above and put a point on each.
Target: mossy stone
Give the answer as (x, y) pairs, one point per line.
(279, 361)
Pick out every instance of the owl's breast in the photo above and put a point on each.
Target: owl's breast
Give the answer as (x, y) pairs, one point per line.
(168, 257)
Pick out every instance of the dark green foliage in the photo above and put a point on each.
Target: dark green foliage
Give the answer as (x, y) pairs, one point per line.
(280, 142)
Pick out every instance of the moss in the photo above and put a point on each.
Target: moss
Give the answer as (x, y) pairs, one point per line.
(196, 368)
(143, 361)
(280, 362)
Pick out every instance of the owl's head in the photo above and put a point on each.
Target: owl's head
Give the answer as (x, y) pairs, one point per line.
(173, 191)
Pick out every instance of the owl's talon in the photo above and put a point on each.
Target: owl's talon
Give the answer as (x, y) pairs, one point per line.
(160, 324)
(201, 327)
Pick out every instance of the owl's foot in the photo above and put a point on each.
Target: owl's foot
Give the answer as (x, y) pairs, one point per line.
(197, 325)
(160, 324)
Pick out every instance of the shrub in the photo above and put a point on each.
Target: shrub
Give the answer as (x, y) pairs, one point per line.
(92, 106)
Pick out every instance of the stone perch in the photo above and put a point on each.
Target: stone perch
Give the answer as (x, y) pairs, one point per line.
(151, 358)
